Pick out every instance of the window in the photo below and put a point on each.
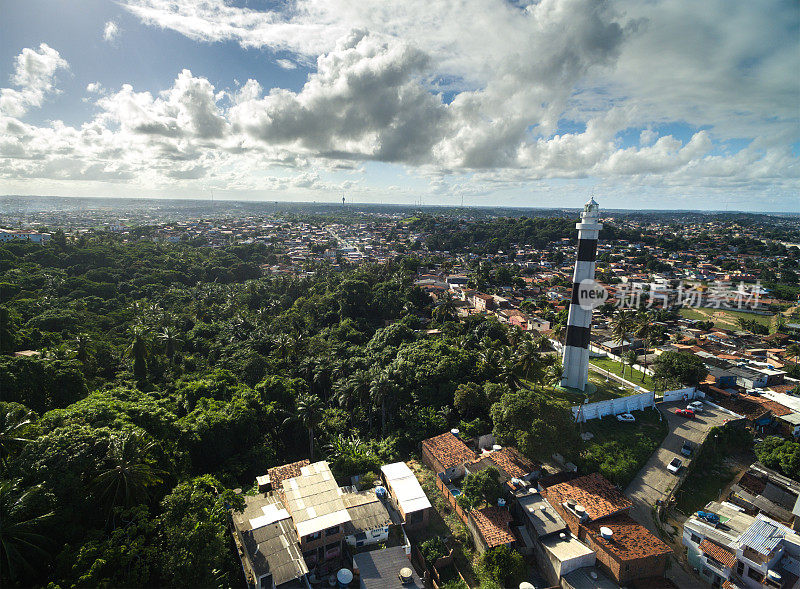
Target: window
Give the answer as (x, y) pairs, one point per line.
(739, 567)
(755, 575)
(332, 531)
(696, 539)
(314, 536)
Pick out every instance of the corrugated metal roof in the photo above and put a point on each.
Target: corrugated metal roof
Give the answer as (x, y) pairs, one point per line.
(405, 487)
(764, 535)
(314, 499)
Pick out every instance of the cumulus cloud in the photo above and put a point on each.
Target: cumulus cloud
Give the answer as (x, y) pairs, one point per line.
(110, 32)
(479, 95)
(364, 101)
(34, 75)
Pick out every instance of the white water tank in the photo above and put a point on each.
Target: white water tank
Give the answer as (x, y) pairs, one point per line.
(455, 432)
(406, 576)
(606, 533)
(496, 447)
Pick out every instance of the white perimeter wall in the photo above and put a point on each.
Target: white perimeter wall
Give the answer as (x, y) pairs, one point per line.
(632, 403)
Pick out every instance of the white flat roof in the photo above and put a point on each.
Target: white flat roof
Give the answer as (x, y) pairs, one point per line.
(396, 470)
(565, 549)
(405, 487)
(792, 403)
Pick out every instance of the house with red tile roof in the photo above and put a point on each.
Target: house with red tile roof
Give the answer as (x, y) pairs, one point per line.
(596, 513)
(491, 527)
(446, 454)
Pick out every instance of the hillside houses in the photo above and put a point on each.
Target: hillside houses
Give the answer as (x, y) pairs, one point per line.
(569, 525)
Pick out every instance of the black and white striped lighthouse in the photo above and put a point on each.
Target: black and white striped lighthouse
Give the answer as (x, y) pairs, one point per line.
(579, 323)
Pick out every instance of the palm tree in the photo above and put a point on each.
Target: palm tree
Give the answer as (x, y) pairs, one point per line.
(446, 309)
(17, 530)
(553, 372)
(381, 389)
(308, 411)
(130, 472)
(622, 326)
(354, 391)
(529, 362)
(507, 367)
(169, 337)
(559, 329)
(644, 331)
(139, 350)
(14, 424)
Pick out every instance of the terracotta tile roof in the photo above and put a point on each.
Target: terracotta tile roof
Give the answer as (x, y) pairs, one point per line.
(511, 462)
(288, 471)
(596, 494)
(493, 525)
(782, 388)
(718, 553)
(776, 408)
(629, 540)
(448, 450)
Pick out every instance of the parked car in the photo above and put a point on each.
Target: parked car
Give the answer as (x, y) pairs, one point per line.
(696, 406)
(685, 412)
(675, 465)
(687, 449)
(625, 417)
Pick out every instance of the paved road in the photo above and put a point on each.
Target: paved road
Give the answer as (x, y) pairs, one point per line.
(654, 481)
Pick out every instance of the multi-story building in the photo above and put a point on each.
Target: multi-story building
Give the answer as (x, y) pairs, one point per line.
(730, 548)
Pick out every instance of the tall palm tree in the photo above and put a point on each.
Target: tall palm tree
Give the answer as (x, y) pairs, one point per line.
(507, 367)
(19, 540)
(171, 340)
(129, 474)
(308, 412)
(15, 421)
(445, 310)
(381, 390)
(529, 362)
(353, 392)
(559, 330)
(622, 326)
(553, 372)
(644, 331)
(139, 350)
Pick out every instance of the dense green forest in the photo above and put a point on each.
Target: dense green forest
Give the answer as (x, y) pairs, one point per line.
(170, 375)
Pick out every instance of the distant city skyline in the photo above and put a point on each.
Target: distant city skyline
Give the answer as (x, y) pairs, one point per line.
(658, 106)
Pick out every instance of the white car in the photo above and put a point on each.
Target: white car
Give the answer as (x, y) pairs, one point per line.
(696, 406)
(625, 417)
(675, 465)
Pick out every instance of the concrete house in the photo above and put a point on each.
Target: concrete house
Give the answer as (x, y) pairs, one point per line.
(597, 514)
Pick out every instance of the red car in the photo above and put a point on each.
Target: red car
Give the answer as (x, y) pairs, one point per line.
(684, 412)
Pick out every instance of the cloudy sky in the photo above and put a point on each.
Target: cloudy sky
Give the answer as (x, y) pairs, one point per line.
(672, 104)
